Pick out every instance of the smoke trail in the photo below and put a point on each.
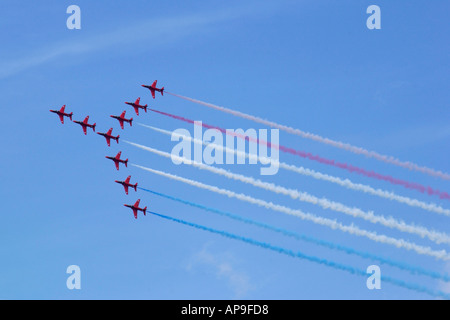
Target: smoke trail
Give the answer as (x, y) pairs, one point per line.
(318, 175)
(307, 155)
(333, 224)
(329, 245)
(300, 255)
(389, 222)
(315, 137)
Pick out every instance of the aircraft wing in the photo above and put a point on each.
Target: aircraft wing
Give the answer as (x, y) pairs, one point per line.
(61, 117)
(121, 123)
(108, 141)
(117, 164)
(135, 213)
(153, 93)
(126, 188)
(84, 130)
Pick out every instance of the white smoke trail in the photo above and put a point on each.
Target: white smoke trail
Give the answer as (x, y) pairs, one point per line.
(333, 224)
(431, 207)
(341, 145)
(302, 237)
(390, 222)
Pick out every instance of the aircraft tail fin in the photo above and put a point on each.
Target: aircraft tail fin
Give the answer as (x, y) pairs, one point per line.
(93, 126)
(117, 138)
(131, 122)
(126, 163)
(135, 187)
(162, 91)
(70, 116)
(145, 211)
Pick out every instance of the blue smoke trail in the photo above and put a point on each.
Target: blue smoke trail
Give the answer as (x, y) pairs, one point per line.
(301, 255)
(330, 245)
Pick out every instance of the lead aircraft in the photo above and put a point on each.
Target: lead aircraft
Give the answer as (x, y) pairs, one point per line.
(153, 88)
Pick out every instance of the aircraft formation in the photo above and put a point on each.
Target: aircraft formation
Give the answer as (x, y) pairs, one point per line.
(323, 202)
(109, 136)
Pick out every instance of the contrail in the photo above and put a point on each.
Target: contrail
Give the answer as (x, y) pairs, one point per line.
(333, 224)
(298, 236)
(300, 255)
(431, 207)
(307, 155)
(341, 145)
(390, 222)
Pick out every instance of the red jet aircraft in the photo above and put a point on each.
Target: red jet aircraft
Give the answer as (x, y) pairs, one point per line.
(108, 137)
(86, 125)
(122, 119)
(153, 88)
(137, 106)
(136, 208)
(62, 114)
(117, 160)
(127, 184)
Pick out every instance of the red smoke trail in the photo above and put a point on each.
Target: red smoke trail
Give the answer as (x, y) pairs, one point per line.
(307, 155)
(345, 146)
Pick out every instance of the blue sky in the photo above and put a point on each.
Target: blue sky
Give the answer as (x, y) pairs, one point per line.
(312, 65)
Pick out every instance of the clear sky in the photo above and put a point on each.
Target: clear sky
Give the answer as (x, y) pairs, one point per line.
(312, 65)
